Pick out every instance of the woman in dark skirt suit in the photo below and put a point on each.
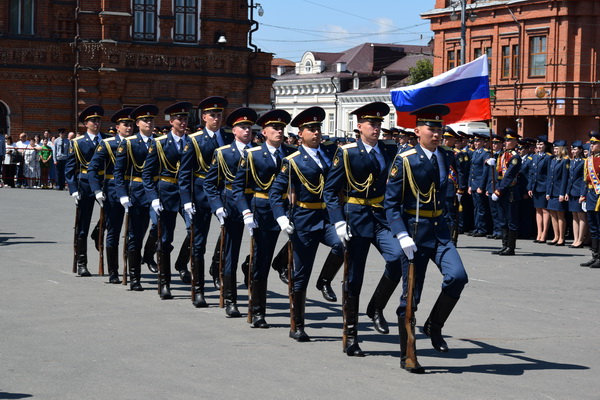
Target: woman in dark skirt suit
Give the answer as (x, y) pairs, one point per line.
(556, 191)
(538, 174)
(575, 187)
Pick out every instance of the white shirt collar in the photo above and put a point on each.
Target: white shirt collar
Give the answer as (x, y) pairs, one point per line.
(272, 149)
(240, 145)
(428, 153)
(369, 148)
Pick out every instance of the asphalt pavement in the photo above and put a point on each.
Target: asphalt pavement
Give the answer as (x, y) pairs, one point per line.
(526, 327)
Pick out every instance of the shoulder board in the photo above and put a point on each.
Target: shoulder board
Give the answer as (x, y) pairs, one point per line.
(349, 146)
(224, 147)
(529, 158)
(108, 139)
(163, 137)
(79, 137)
(133, 137)
(547, 153)
(292, 155)
(199, 133)
(255, 148)
(407, 153)
(486, 149)
(565, 158)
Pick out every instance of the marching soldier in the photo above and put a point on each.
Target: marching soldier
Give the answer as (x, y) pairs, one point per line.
(102, 183)
(129, 164)
(507, 193)
(218, 189)
(404, 138)
(304, 173)
(590, 199)
(257, 172)
(359, 171)
(477, 184)
(160, 182)
(80, 155)
(415, 192)
(195, 162)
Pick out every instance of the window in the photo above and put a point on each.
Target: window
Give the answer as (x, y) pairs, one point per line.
(21, 17)
(308, 66)
(144, 19)
(186, 18)
(451, 60)
(392, 116)
(515, 61)
(506, 61)
(488, 52)
(537, 56)
(332, 125)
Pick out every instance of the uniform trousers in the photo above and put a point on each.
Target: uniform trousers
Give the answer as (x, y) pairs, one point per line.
(479, 200)
(201, 227)
(139, 217)
(264, 248)
(508, 209)
(113, 215)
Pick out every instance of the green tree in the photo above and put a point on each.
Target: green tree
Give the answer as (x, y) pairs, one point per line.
(422, 71)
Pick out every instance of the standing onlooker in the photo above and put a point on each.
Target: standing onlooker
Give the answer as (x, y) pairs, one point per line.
(31, 164)
(21, 145)
(575, 187)
(10, 163)
(2, 153)
(538, 174)
(45, 155)
(556, 190)
(62, 145)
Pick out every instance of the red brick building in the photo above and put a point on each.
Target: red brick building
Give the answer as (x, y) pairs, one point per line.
(59, 56)
(543, 55)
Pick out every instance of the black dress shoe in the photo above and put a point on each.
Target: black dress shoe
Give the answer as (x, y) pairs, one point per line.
(199, 301)
(165, 293)
(83, 271)
(185, 276)
(325, 288)
(258, 321)
(232, 311)
(299, 335)
(113, 278)
(354, 350)
(136, 286)
(576, 247)
(490, 236)
(541, 241)
(152, 266)
(559, 244)
(536, 241)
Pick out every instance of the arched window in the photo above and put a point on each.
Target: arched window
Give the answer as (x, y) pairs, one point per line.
(308, 66)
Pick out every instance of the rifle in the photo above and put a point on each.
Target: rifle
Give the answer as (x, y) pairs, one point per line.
(125, 243)
(457, 207)
(194, 277)
(101, 243)
(221, 289)
(409, 317)
(250, 270)
(75, 235)
(290, 261)
(159, 260)
(345, 301)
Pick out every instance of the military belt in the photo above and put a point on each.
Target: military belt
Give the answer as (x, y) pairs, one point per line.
(246, 191)
(168, 179)
(262, 195)
(85, 171)
(136, 179)
(311, 206)
(374, 202)
(425, 213)
(109, 177)
(197, 175)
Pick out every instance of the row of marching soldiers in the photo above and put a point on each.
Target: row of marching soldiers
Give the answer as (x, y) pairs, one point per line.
(348, 198)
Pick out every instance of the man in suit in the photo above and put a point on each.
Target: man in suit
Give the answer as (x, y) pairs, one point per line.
(129, 164)
(195, 162)
(359, 171)
(218, 189)
(160, 178)
(257, 172)
(102, 183)
(304, 173)
(415, 193)
(76, 172)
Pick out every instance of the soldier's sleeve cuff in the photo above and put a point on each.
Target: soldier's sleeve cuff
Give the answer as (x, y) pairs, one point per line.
(497, 192)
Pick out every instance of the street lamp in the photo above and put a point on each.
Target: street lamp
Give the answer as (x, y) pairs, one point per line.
(463, 25)
(253, 23)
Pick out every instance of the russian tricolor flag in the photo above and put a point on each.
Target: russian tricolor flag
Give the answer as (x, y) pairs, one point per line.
(465, 89)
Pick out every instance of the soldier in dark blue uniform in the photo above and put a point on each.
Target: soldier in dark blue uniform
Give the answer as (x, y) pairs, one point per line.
(465, 211)
(195, 162)
(129, 164)
(304, 173)
(590, 197)
(556, 191)
(218, 189)
(491, 182)
(102, 183)
(415, 193)
(457, 183)
(76, 174)
(507, 194)
(160, 177)
(537, 187)
(477, 182)
(258, 173)
(575, 187)
(359, 173)
(526, 149)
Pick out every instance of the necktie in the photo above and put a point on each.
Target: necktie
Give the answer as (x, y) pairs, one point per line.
(62, 147)
(375, 160)
(278, 158)
(436, 166)
(179, 145)
(95, 141)
(322, 160)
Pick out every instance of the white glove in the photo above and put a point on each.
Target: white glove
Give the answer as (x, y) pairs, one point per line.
(341, 229)
(495, 197)
(249, 222)
(408, 245)
(491, 162)
(583, 206)
(100, 198)
(189, 209)
(458, 197)
(285, 225)
(125, 202)
(221, 214)
(156, 206)
(77, 197)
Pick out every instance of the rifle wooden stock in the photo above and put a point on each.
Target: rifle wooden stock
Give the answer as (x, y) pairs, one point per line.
(456, 219)
(250, 270)
(345, 300)
(192, 267)
(221, 267)
(125, 243)
(409, 317)
(159, 260)
(75, 235)
(290, 271)
(101, 243)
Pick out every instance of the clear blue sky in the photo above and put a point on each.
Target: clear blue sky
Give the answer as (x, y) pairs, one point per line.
(289, 28)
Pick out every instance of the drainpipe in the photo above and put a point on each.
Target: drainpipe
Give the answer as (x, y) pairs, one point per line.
(76, 67)
(520, 70)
